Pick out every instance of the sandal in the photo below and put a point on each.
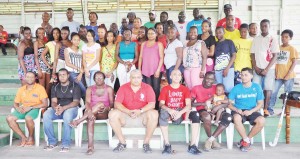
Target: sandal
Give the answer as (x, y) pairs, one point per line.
(73, 124)
(64, 149)
(90, 151)
(22, 143)
(29, 143)
(50, 147)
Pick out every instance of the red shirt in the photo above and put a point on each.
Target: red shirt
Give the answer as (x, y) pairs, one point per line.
(163, 40)
(138, 100)
(237, 24)
(202, 94)
(4, 38)
(174, 97)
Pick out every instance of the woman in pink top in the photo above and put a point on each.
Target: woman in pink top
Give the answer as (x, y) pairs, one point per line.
(194, 59)
(99, 100)
(151, 61)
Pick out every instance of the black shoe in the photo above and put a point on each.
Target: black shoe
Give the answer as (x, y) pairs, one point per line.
(146, 148)
(194, 150)
(120, 147)
(167, 149)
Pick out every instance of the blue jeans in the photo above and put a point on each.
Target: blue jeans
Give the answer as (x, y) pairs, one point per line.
(169, 71)
(90, 80)
(228, 81)
(68, 116)
(288, 86)
(73, 77)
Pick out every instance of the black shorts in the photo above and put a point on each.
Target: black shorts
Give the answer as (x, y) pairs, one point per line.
(251, 118)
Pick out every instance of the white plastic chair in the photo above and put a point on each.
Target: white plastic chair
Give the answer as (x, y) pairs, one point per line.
(231, 132)
(37, 127)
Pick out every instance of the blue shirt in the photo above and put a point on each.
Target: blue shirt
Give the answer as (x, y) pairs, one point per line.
(197, 23)
(95, 29)
(223, 53)
(127, 51)
(246, 98)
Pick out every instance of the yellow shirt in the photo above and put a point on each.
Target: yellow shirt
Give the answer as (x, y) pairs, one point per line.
(51, 46)
(108, 59)
(243, 55)
(284, 62)
(31, 97)
(232, 35)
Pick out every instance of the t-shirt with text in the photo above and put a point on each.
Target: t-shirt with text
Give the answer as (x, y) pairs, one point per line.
(243, 55)
(174, 97)
(284, 61)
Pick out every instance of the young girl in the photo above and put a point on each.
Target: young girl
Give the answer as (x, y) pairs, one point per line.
(218, 99)
(108, 60)
(225, 54)
(102, 35)
(210, 42)
(49, 52)
(59, 57)
(126, 54)
(73, 59)
(26, 55)
(91, 57)
(39, 46)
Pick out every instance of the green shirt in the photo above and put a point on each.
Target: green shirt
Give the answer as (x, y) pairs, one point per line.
(149, 25)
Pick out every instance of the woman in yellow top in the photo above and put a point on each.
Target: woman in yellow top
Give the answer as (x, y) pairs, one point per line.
(108, 61)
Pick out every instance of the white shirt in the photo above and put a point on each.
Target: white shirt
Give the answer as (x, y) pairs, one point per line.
(170, 53)
(261, 47)
(182, 31)
(90, 54)
(73, 26)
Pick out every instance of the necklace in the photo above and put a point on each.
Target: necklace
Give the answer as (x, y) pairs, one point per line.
(62, 89)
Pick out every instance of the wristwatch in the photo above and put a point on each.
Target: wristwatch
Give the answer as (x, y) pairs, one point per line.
(142, 111)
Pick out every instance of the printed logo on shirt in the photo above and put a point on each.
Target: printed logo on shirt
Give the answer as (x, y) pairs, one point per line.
(222, 61)
(175, 99)
(251, 95)
(35, 95)
(283, 57)
(71, 91)
(142, 97)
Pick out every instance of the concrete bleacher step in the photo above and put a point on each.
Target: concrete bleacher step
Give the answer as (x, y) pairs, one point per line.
(7, 93)
(4, 139)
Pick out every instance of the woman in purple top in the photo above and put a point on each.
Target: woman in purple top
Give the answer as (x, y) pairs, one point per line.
(98, 102)
(151, 61)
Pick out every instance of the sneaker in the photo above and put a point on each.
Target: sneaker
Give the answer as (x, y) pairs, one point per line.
(215, 145)
(147, 149)
(207, 145)
(244, 146)
(50, 147)
(266, 113)
(120, 147)
(167, 149)
(64, 149)
(194, 150)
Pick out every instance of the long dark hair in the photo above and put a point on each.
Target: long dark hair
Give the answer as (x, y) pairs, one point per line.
(51, 38)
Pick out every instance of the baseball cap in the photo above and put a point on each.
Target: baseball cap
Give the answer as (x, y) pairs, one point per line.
(227, 6)
(152, 11)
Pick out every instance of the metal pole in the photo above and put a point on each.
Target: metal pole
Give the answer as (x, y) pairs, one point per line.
(22, 13)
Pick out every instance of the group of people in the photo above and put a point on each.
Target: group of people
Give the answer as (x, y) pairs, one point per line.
(235, 69)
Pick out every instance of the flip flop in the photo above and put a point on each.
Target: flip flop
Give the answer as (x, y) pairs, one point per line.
(29, 143)
(89, 151)
(22, 144)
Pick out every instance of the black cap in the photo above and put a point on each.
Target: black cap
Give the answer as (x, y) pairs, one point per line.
(227, 6)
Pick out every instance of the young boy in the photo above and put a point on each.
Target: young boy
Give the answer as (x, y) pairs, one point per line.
(243, 56)
(284, 69)
(224, 58)
(219, 98)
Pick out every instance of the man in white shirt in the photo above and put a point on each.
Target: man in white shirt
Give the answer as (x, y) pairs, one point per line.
(181, 27)
(73, 25)
(264, 51)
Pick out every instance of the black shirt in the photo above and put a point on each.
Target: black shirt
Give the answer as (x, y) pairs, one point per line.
(208, 41)
(66, 94)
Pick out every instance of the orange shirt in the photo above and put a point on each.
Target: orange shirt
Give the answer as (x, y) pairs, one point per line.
(31, 97)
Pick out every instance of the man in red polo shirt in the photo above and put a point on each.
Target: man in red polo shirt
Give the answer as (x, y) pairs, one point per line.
(201, 95)
(134, 107)
(227, 11)
(3, 39)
